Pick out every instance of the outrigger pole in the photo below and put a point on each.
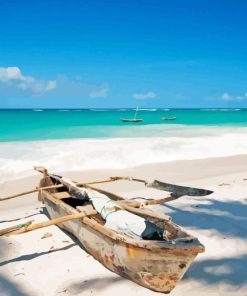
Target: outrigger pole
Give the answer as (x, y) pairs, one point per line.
(26, 227)
(176, 191)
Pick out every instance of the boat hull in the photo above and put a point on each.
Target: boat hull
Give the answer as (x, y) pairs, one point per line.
(131, 120)
(159, 269)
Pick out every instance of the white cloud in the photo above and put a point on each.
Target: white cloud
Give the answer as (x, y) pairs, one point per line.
(12, 76)
(143, 96)
(10, 73)
(226, 97)
(99, 93)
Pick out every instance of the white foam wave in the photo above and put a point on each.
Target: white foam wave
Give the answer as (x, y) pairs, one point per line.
(18, 158)
(146, 109)
(224, 110)
(100, 110)
(38, 110)
(209, 109)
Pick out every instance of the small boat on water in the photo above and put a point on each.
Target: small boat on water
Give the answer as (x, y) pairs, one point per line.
(131, 120)
(168, 118)
(110, 228)
(135, 120)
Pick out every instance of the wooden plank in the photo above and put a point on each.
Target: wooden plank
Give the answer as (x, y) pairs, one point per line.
(61, 195)
(88, 207)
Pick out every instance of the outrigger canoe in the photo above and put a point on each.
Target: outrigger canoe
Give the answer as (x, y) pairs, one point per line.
(157, 263)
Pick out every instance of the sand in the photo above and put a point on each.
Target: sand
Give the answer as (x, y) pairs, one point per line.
(57, 265)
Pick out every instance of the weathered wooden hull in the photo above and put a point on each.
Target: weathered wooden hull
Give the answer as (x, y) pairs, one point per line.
(158, 268)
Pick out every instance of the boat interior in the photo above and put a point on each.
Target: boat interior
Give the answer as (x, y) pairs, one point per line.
(171, 232)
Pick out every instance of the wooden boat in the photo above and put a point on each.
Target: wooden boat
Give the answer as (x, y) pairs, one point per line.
(155, 264)
(168, 118)
(135, 120)
(131, 120)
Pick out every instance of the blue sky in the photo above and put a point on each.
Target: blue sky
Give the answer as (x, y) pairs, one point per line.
(88, 53)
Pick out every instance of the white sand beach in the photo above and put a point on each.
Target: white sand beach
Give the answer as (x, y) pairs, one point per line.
(58, 265)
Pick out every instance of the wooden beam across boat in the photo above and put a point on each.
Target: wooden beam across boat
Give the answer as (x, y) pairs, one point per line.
(26, 227)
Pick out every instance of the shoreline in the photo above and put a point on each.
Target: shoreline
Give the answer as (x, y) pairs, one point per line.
(126, 131)
(18, 158)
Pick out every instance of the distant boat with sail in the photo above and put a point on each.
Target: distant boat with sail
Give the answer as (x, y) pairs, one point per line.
(135, 119)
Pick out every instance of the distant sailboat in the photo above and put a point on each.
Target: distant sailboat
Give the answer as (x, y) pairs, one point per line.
(132, 119)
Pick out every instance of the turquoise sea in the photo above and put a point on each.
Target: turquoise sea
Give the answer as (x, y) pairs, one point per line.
(70, 140)
(43, 124)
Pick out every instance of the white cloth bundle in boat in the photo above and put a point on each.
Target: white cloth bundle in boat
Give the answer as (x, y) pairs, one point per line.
(123, 221)
(117, 219)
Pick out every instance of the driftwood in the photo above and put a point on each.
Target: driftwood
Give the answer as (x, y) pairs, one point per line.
(31, 227)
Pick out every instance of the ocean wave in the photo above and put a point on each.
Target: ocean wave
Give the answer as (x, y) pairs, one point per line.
(146, 109)
(227, 110)
(100, 110)
(209, 110)
(18, 159)
(166, 109)
(63, 110)
(37, 110)
(221, 109)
